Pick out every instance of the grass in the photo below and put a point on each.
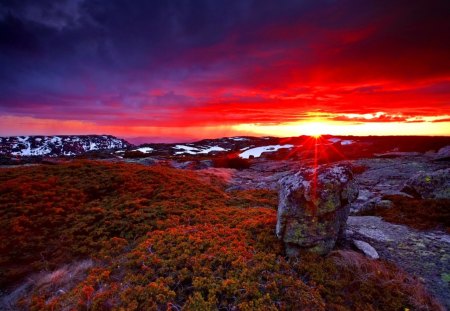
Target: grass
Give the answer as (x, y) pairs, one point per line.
(158, 238)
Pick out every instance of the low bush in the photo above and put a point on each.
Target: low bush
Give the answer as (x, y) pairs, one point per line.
(349, 281)
(359, 169)
(422, 214)
(232, 162)
(161, 238)
(135, 154)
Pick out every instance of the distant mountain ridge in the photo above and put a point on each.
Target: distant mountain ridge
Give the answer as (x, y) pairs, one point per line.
(248, 146)
(31, 148)
(60, 145)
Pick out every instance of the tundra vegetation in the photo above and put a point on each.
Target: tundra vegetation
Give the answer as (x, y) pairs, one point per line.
(421, 214)
(129, 237)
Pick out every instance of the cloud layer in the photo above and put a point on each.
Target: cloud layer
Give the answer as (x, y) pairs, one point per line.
(200, 63)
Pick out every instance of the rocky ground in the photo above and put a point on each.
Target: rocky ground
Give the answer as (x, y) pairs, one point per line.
(263, 175)
(386, 176)
(424, 254)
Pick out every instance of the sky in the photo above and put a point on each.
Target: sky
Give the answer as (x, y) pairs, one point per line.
(181, 70)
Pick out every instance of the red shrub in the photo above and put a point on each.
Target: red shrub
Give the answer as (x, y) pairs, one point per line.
(231, 162)
(163, 238)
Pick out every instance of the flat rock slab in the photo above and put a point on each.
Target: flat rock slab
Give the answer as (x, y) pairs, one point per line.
(424, 254)
(388, 176)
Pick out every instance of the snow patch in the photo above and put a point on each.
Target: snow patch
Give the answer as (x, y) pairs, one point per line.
(144, 149)
(347, 142)
(239, 138)
(93, 146)
(186, 149)
(334, 140)
(195, 150)
(256, 152)
(213, 148)
(56, 140)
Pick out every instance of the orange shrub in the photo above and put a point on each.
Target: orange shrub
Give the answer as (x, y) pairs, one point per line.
(162, 239)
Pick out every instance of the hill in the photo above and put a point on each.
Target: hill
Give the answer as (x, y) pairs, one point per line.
(63, 145)
(125, 236)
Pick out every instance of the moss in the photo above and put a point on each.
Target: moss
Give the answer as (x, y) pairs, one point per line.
(445, 277)
(329, 206)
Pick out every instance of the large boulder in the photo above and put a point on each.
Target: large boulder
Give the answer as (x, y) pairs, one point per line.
(429, 185)
(313, 208)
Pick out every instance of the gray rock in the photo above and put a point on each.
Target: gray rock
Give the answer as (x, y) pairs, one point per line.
(424, 254)
(384, 204)
(371, 229)
(234, 188)
(388, 176)
(144, 161)
(364, 206)
(375, 234)
(443, 153)
(348, 234)
(429, 185)
(204, 164)
(314, 207)
(181, 165)
(397, 154)
(366, 248)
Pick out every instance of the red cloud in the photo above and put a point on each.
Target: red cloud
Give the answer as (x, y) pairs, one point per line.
(348, 58)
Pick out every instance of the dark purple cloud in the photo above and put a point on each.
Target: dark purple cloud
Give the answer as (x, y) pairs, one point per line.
(180, 63)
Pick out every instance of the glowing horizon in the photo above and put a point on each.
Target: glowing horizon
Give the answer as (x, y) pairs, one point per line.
(23, 126)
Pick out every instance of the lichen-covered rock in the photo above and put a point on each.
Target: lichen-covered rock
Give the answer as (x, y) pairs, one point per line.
(313, 208)
(426, 185)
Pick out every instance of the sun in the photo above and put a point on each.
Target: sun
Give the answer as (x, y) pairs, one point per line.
(314, 129)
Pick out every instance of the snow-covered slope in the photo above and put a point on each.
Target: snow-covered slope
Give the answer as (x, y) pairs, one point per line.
(58, 145)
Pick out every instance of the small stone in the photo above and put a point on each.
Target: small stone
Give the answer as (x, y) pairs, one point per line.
(366, 248)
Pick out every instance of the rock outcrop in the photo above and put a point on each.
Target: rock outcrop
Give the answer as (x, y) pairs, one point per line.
(429, 185)
(443, 154)
(425, 254)
(313, 208)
